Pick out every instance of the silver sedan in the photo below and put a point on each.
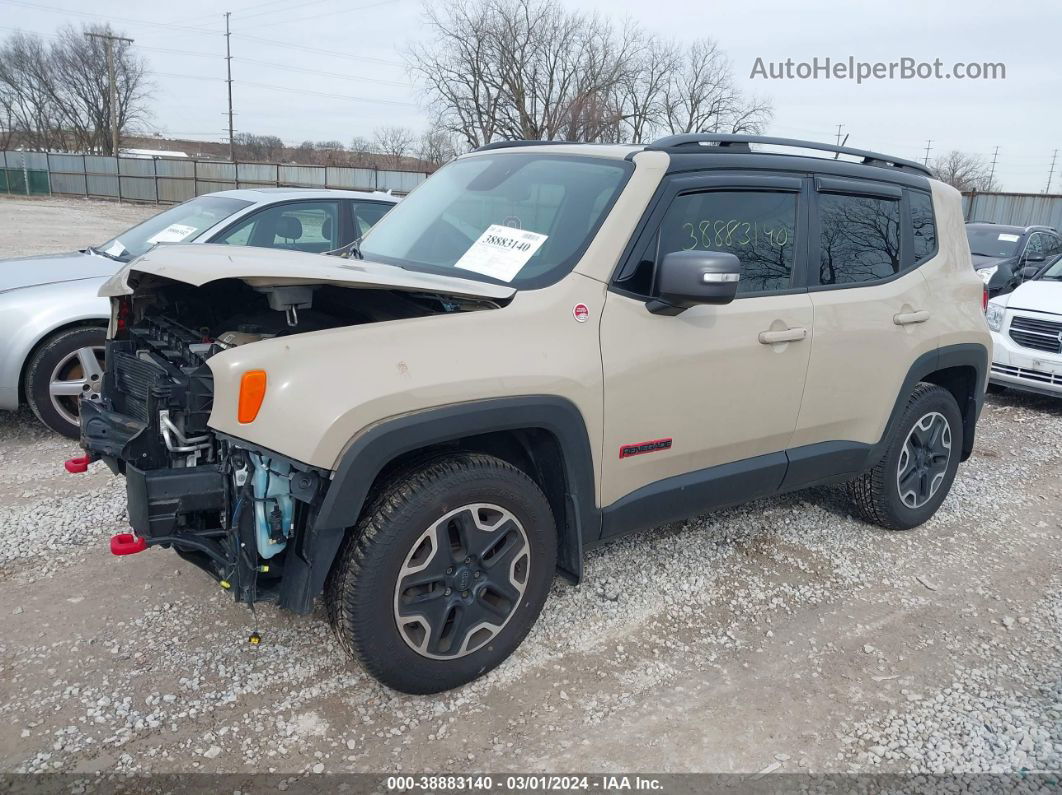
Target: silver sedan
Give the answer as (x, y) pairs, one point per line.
(53, 322)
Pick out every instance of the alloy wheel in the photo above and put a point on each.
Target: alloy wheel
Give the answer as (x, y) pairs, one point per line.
(78, 373)
(924, 460)
(462, 581)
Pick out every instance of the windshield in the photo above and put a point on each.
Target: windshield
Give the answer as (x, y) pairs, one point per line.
(1054, 273)
(181, 223)
(989, 242)
(520, 219)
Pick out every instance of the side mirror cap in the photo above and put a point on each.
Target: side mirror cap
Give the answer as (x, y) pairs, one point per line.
(1029, 272)
(688, 278)
(1033, 257)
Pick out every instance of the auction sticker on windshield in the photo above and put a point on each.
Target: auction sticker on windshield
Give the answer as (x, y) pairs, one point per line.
(174, 233)
(501, 252)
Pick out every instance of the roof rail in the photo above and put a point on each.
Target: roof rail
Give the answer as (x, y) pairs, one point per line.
(518, 142)
(740, 143)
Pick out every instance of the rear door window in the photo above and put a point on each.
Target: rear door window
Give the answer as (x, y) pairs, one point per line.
(859, 238)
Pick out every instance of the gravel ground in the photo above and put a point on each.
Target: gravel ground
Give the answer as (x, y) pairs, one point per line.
(782, 636)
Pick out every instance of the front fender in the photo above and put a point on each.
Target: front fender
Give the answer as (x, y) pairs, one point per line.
(30, 314)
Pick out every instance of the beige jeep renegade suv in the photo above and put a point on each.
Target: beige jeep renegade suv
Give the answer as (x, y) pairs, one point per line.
(543, 348)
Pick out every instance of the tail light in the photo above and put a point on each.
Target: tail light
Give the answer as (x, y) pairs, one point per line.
(252, 393)
(984, 300)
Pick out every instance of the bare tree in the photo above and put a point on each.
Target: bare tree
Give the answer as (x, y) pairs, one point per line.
(58, 95)
(268, 148)
(503, 69)
(394, 143)
(437, 146)
(964, 171)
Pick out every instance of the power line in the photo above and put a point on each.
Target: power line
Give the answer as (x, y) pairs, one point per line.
(289, 68)
(128, 20)
(314, 50)
(330, 95)
(318, 16)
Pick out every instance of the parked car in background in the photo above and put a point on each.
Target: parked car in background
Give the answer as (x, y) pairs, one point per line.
(1026, 328)
(53, 322)
(1005, 256)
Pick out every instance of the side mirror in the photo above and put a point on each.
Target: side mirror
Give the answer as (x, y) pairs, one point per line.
(1033, 257)
(688, 278)
(1029, 273)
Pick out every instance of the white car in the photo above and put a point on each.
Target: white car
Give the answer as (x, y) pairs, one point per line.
(1026, 328)
(52, 321)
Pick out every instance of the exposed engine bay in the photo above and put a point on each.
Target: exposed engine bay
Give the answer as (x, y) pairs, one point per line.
(233, 509)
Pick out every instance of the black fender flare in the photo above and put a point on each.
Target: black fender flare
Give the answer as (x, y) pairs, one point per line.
(968, 354)
(367, 455)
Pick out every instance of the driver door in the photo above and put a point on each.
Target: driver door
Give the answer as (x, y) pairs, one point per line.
(703, 404)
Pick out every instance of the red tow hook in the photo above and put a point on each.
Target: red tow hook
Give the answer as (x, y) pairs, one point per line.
(127, 544)
(76, 466)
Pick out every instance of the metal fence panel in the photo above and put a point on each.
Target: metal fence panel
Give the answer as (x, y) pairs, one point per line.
(351, 178)
(175, 190)
(257, 173)
(68, 183)
(141, 189)
(220, 172)
(174, 180)
(96, 164)
(136, 167)
(302, 176)
(175, 168)
(1020, 209)
(400, 181)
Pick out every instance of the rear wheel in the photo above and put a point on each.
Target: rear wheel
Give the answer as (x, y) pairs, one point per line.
(446, 573)
(66, 366)
(914, 476)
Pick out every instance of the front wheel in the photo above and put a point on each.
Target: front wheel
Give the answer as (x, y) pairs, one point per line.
(445, 574)
(905, 488)
(66, 366)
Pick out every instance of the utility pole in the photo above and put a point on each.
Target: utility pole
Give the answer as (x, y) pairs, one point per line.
(109, 40)
(926, 160)
(228, 68)
(1051, 173)
(839, 126)
(992, 173)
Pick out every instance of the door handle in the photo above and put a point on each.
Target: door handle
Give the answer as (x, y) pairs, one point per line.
(906, 318)
(784, 335)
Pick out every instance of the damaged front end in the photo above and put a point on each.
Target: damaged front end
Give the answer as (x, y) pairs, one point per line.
(223, 505)
(242, 513)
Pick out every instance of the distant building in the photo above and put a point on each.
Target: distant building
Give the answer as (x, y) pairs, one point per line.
(148, 154)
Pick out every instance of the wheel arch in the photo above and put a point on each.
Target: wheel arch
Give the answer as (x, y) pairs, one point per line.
(961, 369)
(543, 435)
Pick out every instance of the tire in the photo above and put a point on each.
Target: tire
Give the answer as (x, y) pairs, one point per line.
(64, 357)
(878, 494)
(431, 633)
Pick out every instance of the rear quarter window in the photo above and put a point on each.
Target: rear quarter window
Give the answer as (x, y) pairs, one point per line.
(923, 226)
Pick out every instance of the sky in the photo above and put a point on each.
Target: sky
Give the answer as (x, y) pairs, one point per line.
(334, 69)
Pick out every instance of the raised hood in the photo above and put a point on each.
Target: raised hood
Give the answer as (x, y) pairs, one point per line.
(1038, 296)
(265, 267)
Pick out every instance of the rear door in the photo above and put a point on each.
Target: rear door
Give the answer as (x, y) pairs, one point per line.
(712, 385)
(873, 313)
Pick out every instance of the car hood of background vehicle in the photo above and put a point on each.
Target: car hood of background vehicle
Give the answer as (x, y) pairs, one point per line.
(265, 267)
(52, 268)
(980, 262)
(1038, 296)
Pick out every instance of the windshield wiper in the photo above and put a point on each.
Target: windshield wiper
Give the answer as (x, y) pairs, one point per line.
(351, 250)
(94, 250)
(979, 254)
